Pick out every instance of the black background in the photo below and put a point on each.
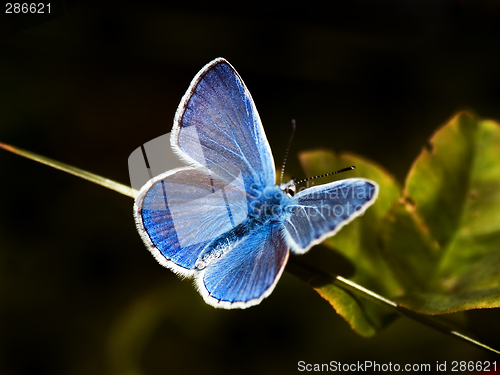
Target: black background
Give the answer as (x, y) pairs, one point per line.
(88, 84)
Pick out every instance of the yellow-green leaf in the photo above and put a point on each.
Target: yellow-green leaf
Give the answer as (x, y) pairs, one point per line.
(443, 238)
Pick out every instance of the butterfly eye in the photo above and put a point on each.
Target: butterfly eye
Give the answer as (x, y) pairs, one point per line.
(290, 191)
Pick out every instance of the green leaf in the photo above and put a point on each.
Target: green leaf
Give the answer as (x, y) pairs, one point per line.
(443, 238)
(358, 244)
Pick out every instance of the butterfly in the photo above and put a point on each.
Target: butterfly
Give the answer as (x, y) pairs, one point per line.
(222, 219)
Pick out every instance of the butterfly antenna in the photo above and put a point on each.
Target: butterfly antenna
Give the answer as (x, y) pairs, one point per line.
(295, 183)
(286, 151)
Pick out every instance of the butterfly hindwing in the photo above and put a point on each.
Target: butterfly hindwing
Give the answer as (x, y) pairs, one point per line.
(248, 272)
(321, 211)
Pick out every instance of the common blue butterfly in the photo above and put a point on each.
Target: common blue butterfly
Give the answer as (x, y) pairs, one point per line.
(223, 220)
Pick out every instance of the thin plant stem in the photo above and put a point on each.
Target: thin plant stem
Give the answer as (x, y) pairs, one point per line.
(428, 321)
(99, 180)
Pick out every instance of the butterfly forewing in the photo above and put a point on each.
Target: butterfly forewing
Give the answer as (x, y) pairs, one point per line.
(180, 212)
(321, 211)
(217, 124)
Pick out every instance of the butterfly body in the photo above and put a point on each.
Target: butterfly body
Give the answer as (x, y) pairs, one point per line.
(223, 220)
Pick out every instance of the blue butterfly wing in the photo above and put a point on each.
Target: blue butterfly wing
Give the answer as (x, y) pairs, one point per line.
(321, 211)
(248, 272)
(180, 212)
(217, 125)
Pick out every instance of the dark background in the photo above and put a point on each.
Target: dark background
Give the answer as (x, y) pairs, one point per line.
(80, 294)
